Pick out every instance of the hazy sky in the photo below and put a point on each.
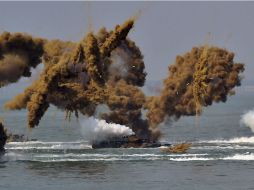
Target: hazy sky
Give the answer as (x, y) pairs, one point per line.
(164, 30)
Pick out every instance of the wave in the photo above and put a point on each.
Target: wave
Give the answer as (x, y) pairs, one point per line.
(232, 141)
(47, 145)
(12, 156)
(118, 155)
(246, 157)
(192, 159)
(235, 157)
(222, 147)
(71, 157)
(201, 151)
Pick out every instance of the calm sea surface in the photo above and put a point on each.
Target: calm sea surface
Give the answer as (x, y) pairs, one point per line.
(221, 158)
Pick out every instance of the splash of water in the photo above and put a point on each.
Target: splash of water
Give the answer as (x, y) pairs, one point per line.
(98, 130)
(248, 119)
(236, 140)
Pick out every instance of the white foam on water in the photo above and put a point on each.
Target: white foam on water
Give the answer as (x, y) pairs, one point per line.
(236, 157)
(246, 157)
(126, 159)
(222, 147)
(41, 157)
(71, 146)
(47, 145)
(232, 141)
(84, 155)
(28, 148)
(44, 143)
(72, 157)
(192, 159)
(89, 159)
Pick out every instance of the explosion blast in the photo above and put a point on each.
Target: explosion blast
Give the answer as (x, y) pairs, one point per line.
(107, 69)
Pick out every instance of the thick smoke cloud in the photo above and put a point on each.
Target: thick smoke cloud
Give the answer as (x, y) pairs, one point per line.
(198, 78)
(18, 53)
(73, 81)
(107, 68)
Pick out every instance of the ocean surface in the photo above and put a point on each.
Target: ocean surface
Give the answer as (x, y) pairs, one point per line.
(221, 158)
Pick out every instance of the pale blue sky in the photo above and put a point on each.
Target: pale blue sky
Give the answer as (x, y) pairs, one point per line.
(164, 29)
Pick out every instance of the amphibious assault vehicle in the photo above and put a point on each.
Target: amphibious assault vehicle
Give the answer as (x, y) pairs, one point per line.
(127, 142)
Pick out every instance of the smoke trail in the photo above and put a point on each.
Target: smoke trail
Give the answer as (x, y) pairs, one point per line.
(248, 119)
(99, 130)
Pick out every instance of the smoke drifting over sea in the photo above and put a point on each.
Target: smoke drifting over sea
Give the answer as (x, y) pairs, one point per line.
(107, 68)
(99, 130)
(248, 120)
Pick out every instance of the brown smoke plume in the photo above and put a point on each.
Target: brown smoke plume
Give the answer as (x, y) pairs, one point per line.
(18, 53)
(217, 73)
(72, 78)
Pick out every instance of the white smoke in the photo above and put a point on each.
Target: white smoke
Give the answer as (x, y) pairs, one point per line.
(248, 119)
(98, 130)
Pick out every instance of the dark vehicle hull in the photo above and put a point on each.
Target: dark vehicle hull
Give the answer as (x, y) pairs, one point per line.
(3, 137)
(127, 142)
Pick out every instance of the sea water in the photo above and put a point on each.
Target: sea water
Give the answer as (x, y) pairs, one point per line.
(221, 156)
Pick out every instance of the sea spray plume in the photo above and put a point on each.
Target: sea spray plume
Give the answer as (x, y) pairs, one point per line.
(18, 53)
(248, 119)
(99, 130)
(177, 99)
